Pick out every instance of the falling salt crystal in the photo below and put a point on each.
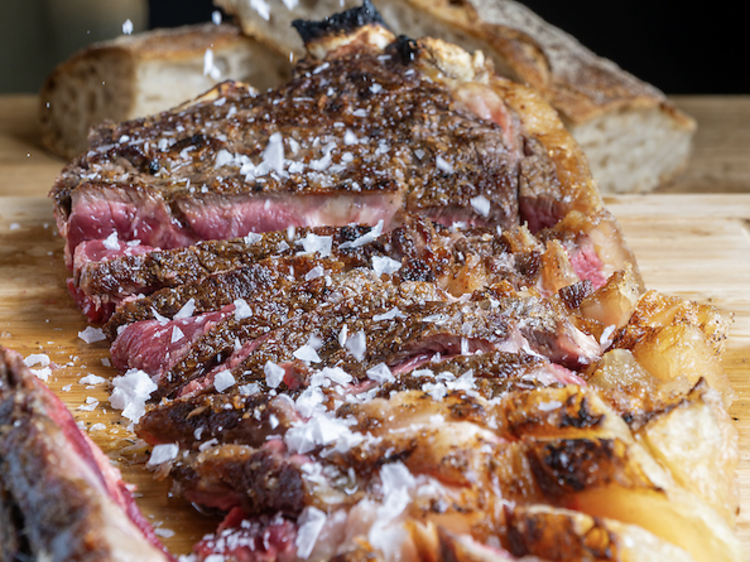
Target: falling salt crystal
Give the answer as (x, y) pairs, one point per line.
(127, 27)
(216, 17)
(262, 7)
(163, 453)
(186, 311)
(92, 335)
(481, 205)
(274, 373)
(159, 318)
(357, 345)
(14, 226)
(223, 380)
(209, 69)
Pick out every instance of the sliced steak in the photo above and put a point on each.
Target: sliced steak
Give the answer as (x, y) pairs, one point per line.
(361, 132)
(68, 501)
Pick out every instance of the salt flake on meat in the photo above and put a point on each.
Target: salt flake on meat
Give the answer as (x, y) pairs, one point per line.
(274, 373)
(390, 315)
(163, 453)
(380, 373)
(186, 311)
(481, 205)
(242, 310)
(252, 238)
(307, 353)
(224, 380)
(385, 265)
(249, 389)
(366, 238)
(313, 243)
(177, 334)
(357, 345)
(273, 155)
(443, 165)
(311, 523)
(111, 242)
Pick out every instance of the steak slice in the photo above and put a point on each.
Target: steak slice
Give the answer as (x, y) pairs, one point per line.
(363, 130)
(68, 501)
(254, 282)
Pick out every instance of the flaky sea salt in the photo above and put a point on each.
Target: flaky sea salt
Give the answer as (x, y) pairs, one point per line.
(163, 453)
(249, 389)
(224, 380)
(481, 205)
(357, 345)
(313, 243)
(390, 315)
(131, 391)
(307, 353)
(41, 359)
(91, 380)
(252, 238)
(385, 265)
(209, 68)
(380, 373)
(127, 27)
(443, 165)
(177, 334)
(311, 522)
(366, 238)
(216, 17)
(242, 310)
(90, 405)
(186, 311)
(111, 242)
(274, 374)
(92, 335)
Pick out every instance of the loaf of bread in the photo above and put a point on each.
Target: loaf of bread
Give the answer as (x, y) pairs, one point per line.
(635, 139)
(138, 75)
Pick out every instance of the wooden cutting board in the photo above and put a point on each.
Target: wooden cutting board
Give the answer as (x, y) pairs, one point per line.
(695, 246)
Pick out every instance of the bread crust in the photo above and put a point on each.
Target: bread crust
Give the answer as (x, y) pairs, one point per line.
(134, 75)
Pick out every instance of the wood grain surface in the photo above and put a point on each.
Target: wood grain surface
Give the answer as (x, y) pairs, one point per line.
(696, 246)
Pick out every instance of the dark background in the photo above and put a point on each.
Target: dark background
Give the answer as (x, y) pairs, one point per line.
(682, 48)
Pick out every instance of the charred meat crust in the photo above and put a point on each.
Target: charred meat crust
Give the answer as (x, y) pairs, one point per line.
(342, 23)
